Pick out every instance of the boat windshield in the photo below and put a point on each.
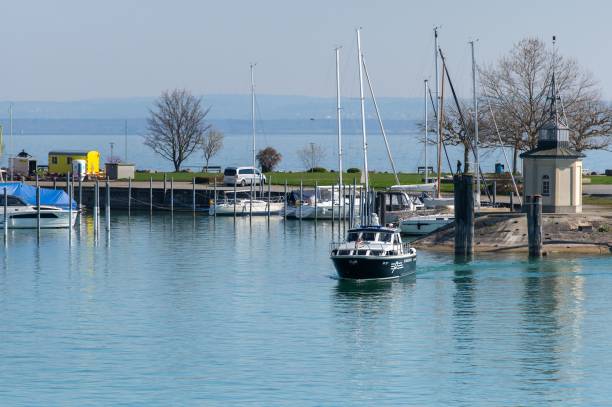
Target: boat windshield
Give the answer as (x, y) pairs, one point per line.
(352, 236)
(368, 236)
(386, 237)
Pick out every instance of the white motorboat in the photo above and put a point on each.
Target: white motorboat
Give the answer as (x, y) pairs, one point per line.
(245, 207)
(320, 205)
(425, 224)
(22, 216)
(22, 212)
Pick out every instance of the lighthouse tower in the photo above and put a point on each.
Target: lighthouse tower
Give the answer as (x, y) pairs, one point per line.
(553, 169)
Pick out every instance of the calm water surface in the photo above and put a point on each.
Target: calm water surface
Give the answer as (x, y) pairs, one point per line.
(191, 311)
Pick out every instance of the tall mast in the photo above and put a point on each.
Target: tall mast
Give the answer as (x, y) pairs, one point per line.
(253, 109)
(339, 116)
(363, 119)
(125, 141)
(476, 155)
(10, 143)
(426, 132)
(438, 122)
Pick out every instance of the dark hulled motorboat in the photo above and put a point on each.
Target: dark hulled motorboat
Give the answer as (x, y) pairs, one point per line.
(373, 252)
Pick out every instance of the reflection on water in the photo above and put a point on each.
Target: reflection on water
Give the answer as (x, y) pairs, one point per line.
(184, 309)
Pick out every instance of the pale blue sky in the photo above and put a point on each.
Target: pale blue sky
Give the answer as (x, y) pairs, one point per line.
(75, 49)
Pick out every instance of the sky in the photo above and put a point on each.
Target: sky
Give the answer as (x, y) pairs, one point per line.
(74, 49)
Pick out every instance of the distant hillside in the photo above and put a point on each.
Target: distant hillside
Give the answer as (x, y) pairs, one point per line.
(235, 107)
(230, 126)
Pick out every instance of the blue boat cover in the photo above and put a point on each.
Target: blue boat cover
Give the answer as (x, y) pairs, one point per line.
(27, 193)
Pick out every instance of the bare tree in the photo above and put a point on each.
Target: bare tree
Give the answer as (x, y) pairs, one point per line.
(268, 159)
(518, 89)
(311, 155)
(176, 126)
(212, 142)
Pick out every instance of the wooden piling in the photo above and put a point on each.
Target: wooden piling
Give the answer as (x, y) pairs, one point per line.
(69, 181)
(534, 225)
(316, 200)
(80, 194)
(107, 206)
(150, 195)
(215, 198)
(269, 196)
(193, 194)
(37, 208)
(234, 200)
(333, 201)
(464, 214)
(129, 196)
(172, 195)
(285, 202)
(494, 192)
(301, 197)
(96, 203)
(251, 203)
(5, 214)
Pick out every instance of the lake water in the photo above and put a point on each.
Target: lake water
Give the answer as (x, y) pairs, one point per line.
(408, 152)
(196, 311)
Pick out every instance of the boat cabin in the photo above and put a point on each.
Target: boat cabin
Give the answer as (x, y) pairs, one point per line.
(370, 241)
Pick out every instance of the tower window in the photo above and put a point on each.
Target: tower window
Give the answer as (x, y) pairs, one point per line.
(546, 185)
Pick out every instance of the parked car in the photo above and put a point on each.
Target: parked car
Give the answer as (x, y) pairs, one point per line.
(243, 176)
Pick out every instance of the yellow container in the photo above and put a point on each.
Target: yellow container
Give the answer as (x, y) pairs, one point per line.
(60, 162)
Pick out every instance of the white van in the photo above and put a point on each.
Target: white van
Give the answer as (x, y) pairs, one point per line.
(243, 176)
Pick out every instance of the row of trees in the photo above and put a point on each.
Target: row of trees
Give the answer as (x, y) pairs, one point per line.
(515, 93)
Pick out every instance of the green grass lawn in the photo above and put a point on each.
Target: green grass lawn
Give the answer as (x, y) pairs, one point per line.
(597, 200)
(377, 180)
(600, 179)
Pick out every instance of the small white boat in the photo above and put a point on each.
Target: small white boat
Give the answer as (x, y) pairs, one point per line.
(425, 224)
(26, 217)
(245, 207)
(21, 214)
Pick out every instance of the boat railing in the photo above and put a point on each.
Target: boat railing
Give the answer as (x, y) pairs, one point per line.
(360, 247)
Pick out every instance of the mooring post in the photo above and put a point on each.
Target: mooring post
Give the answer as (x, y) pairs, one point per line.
(165, 179)
(251, 203)
(107, 206)
(37, 210)
(96, 203)
(234, 200)
(150, 195)
(80, 193)
(215, 198)
(464, 214)
(5, 214)
(316, 200)
(172, 195)
(301, 197)
(534, 225)
(193, 195)
(54, 182)
(354, 202)
(511, 201)
(70, 194)
(285, 202)
(494, 192)
(269, 196)
(129, 196)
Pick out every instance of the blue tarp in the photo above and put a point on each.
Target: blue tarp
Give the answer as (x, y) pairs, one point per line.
(27, 193)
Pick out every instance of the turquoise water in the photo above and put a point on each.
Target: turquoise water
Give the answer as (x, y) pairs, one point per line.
(192, 311)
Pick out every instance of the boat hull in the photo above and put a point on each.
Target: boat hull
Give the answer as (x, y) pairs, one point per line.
(422, 227)
(370, 268)
(48, 220)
